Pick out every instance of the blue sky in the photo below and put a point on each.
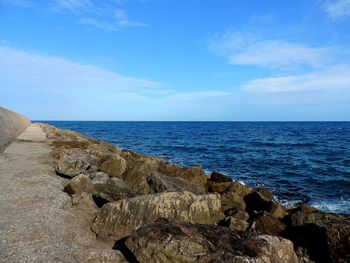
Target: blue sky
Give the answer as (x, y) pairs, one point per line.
(176, 59)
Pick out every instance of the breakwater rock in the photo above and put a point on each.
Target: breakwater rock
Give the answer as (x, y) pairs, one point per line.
(154, 211)
(11, 126)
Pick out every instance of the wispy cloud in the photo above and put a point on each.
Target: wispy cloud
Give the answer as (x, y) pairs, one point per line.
(21, 3)
(72, 5)
(253, 49)
(337, 9)
(119, 22)
(71, 90)
(333, 79)
(123, 20)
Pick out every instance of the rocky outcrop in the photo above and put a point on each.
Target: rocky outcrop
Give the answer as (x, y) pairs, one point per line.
(169, 241)
(324, 236)
(11, 126)
(119, 219)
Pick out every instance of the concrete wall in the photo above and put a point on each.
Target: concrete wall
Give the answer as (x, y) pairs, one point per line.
(11, 126)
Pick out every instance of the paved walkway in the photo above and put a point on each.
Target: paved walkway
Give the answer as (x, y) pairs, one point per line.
(36, 221)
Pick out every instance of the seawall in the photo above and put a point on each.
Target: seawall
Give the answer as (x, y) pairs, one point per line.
(11, 126)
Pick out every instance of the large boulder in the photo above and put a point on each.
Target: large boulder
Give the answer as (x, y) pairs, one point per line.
(261, 200)
(74, 162)
(193, 175)
(167, 241)
(162, 183)
(118, 219)
(268, 225)
(84, 203)
(115, 166)
(110, 189)
(79, 184)
(325, 236)
(219, 178)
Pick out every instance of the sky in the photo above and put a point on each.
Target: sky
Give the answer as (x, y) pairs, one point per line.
(217, 60)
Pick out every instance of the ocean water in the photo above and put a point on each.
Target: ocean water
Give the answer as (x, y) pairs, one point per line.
(298, 161)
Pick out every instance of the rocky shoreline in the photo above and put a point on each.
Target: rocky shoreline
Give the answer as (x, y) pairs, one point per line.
(153, 211)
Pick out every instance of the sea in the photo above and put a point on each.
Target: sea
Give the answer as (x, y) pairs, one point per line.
(300, 162)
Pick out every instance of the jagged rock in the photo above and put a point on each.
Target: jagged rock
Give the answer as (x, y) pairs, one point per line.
(115, 166)
(118, 219)
(194, 175)
(238, 214)
(235, 223)
(160, 183)
(79, 184)
(75, 162)
(219, 178)
(108, 148)
(268, 225)
(235, 187)
(230, 200)
(137, 177)
(110, 189)
(84, 203)
(260, 200)
(325, 236)
(168, 241)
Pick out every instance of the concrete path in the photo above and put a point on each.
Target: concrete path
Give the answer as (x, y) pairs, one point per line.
(36, 221)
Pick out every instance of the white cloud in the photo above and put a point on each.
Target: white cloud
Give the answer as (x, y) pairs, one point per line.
(29, 70)
(72, 5)
(48, 87)
(334, 79)
(337, 9)
(21, 3)
(252, 49)
(120, 22)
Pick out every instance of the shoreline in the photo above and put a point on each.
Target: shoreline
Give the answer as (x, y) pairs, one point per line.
(143, 181)
(303, 186)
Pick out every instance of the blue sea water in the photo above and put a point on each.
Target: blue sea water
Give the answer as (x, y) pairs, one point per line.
(298, 161)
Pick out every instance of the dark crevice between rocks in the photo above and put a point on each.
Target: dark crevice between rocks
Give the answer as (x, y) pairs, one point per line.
(129, 256)
(63, 176)
(311, 237)
(99, 201)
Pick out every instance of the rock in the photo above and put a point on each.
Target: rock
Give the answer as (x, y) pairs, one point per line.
(79, 184)
(171, 241)
(161, 183)
(106, 256)
(110, 189)
(75, 162)
(136, 178)
(108, 148)
(84, 203)
(325, 236)
(260, 200)
(242, 215)
(118, 219)
(193, 175)
(268, 225)
(235, 223)
(115, 166)
(231, 200)
(69, 144)
(219, 178)
(235, 187)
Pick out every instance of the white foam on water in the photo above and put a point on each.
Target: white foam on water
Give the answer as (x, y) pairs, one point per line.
(339, 206)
